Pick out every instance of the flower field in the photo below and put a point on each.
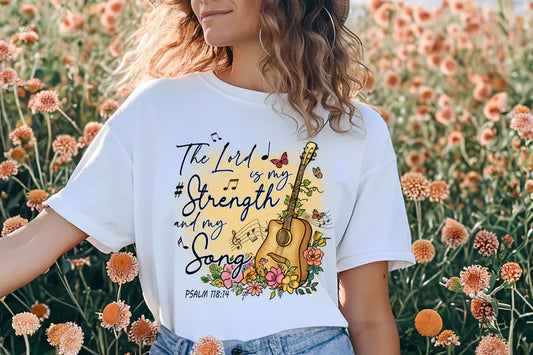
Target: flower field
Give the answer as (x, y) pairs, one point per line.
(455, 86)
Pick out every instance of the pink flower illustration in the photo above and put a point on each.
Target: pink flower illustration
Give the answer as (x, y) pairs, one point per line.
(274, 276)
(254, 288)
(226, 276)
(313, 256)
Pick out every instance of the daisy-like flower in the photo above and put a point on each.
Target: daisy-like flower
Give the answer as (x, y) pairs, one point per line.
(122, 267)
(8, 51)
(522, 122)
(12, 224)
(428, 323)
(78, 263)
(35, 199)
(474, 278)
(447, 337)
(7, 77)
(143, 331)
(254, 288)
(510, 272)
(454, 284)
(21, 38)
(455, 138)
(486, 242)
(71, 341)
(423, 250)
(33, 85)
(16, 153)
(90, 130)
(22, 134)
(41, 310)
(453, 233)
(8, 168)
(507, 240)
(25, 323)
(108, 107)
(65, 145)
(55, 331)
(208, 345)
(414, 186)
(492, 345)
(115, 314)
(438, 191)
(45, 101)
(481, 310)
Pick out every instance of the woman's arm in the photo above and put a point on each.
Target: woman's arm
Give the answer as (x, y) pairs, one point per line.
(30, 250)
(364, 302)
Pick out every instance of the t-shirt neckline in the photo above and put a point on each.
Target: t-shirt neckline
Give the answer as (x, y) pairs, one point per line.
(247, 94)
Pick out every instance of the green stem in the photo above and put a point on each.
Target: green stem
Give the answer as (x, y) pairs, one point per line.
(419, 218)
(38, 164)
(71, 121)
(511, 325)
(116, 338)
(427, 345)
(4, 113)
(118, 292)
(18, 103)
(27, 344)
(49, 142)
(32, 175)
(9, 309)
(71, 294)
(20, 183)
(4, 214)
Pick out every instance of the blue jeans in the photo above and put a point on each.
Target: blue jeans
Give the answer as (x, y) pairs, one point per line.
(313, 340)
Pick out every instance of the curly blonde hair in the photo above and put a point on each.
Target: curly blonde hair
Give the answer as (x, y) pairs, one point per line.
(298, 35)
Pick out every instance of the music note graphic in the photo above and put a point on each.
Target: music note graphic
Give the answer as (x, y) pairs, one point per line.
(215, 134)
(231, 181)
(250, 232)
(235, 240)
(265, 157)
(324, 222)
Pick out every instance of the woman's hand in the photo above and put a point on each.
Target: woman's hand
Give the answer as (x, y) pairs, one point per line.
(364, 302)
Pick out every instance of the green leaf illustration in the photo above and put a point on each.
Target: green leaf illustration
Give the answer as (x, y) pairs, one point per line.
(306, 182)
(215, 269)
(205, 279)
(273, 294)
(287, 199)
(300, 212)
(309, 193)
(298, 204)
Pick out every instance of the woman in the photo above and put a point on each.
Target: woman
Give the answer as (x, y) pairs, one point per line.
(239, 241)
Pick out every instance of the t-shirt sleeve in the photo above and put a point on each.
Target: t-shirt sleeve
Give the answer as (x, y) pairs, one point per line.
(98, 196)
(378, 228)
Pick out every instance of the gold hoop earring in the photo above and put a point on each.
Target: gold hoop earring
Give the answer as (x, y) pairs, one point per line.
(333, 23)
(261, 40)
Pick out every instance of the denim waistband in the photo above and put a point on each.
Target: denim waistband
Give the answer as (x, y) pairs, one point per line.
(285, 342)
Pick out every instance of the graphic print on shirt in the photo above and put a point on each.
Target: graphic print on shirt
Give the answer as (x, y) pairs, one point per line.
(243, 226)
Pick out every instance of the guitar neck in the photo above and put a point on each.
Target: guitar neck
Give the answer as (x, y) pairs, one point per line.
(294, 196)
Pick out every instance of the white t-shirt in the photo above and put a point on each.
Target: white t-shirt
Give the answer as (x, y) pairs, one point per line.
(199, 174)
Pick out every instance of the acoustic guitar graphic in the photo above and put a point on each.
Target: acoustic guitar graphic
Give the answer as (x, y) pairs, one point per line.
(288, 239)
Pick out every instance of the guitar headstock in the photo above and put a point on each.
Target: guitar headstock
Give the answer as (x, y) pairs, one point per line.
(309, 153)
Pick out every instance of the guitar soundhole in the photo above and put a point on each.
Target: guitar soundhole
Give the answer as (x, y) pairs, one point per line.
(283, 237)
